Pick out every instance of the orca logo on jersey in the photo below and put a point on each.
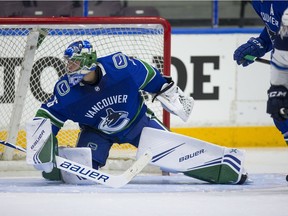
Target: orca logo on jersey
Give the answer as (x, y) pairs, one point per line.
(113, 121)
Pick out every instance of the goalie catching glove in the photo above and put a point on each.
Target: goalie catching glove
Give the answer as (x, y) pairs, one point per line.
(173, 100)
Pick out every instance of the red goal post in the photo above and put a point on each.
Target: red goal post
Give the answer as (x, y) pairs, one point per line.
(31, 61)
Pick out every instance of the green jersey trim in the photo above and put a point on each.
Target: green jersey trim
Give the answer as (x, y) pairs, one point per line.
(151, 73)
(43, 113)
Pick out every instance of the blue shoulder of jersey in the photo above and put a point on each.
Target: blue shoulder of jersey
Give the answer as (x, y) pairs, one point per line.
(116, 60)
(271, 13)
(62, 87)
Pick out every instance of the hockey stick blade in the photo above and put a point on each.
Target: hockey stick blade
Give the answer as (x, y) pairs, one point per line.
(253, 58)
(97, 175)
(101, 177)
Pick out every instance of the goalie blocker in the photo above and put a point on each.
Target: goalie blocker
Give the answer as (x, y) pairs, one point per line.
(42, 148)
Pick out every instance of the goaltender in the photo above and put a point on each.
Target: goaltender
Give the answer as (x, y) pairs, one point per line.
(103, 96)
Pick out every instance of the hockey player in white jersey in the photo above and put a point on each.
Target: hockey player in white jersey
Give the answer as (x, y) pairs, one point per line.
(274, 38)
(102, 96)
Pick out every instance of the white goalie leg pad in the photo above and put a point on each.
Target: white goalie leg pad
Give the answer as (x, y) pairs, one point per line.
(174, 101)
(234, 158)
(80, 155)
(178, 153)
(40, 151)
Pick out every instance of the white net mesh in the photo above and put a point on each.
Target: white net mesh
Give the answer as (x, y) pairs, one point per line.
(145, 41)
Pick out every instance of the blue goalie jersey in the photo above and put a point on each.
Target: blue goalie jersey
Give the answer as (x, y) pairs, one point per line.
(111, 106)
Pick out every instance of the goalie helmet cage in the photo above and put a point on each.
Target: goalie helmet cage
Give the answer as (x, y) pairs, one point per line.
(31, 61)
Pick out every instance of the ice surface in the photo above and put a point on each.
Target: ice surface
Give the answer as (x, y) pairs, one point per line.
(27, 194)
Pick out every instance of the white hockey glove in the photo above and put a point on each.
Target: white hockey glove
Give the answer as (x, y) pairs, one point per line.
(40, 144)
(173, 100)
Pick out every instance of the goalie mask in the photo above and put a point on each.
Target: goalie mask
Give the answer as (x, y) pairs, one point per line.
(80, 60)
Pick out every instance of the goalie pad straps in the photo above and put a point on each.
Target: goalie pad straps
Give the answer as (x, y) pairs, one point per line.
(173, 100)
(41, 144)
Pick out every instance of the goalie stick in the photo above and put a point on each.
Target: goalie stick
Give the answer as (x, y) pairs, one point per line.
(97, 175)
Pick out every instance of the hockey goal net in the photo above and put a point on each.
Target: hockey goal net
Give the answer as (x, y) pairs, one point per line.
(31, 61)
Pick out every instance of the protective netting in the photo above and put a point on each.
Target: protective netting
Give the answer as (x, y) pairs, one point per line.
(145, 41)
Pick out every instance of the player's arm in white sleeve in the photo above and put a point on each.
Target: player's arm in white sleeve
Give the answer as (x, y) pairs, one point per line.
(277, 105)
(279, 68)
